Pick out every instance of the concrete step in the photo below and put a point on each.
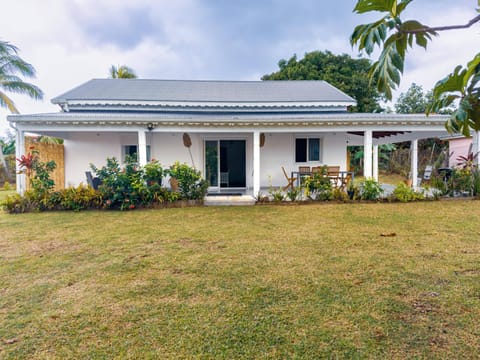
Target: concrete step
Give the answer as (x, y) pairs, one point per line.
(229, 200)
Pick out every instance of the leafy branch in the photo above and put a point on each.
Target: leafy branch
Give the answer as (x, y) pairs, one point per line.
(394, 37)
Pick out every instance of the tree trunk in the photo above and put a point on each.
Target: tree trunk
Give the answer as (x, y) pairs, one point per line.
(4, 163)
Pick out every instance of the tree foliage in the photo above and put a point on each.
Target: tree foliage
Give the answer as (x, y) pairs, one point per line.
(347, 74)
(12, 69)
(394, 36)
(413, 101)
(122, 72)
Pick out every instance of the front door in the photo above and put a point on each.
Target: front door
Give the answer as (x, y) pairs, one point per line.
(225, 163)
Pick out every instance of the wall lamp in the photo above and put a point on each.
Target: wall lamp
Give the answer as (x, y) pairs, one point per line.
(150, 126)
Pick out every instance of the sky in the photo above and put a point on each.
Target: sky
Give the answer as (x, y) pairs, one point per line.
(71, 42)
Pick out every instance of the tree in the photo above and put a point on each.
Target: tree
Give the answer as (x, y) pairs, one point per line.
(394, 36)
(347, 74)
(414, 101)
(122, 72)
(12, 69)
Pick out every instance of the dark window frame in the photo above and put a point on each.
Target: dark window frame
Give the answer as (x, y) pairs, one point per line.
(303, 149)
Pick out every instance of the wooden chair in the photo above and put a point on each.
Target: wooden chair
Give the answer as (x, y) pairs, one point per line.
(290, 180)
(333, 172)
(304, 170)
(344, 180)
(317, 170)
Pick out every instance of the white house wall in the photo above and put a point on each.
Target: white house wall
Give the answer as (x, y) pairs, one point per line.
(81, 149)
(168, 148)
(279, 150)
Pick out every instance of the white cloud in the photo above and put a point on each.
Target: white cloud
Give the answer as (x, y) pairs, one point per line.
(204, 39)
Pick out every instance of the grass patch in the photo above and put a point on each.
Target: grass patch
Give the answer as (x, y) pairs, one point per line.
(313, 281)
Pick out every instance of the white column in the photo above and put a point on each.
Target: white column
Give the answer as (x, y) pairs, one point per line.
(19, 151)
(256, 162)
(476, 146)
(367, 154)
(375, 162)
(414, 162)
(142, 148)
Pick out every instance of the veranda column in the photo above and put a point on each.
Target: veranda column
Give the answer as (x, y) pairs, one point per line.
(414, 162)
(142, 148)
(367, 154)
(375, 162)
(19, 151)
(476, 147)
(256, 162)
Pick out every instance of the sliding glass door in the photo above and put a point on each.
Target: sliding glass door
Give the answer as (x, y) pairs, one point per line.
(225, 163)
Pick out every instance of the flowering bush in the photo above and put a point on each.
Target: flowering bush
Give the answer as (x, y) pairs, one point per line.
(191, 186)
(37, 172)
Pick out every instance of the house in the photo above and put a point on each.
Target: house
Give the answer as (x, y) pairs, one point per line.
(241, 132)
(458, 146)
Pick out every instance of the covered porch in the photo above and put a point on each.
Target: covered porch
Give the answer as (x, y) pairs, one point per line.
(244, 154)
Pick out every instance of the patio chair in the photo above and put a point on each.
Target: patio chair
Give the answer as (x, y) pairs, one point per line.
(93, 182)
(304, 170)
(427, 174)
(290, 180)
(333, 172)
(224, 179)
(344, 180)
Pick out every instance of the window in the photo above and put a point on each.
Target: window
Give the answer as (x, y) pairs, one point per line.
(132, 150)
(307, 149)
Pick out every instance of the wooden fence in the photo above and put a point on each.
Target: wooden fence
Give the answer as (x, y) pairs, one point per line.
(48, 152)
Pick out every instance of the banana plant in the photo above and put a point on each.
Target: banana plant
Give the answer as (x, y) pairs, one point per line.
(461, 87)
(394, 37)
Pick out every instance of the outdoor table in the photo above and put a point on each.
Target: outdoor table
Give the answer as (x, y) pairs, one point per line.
(342, 175)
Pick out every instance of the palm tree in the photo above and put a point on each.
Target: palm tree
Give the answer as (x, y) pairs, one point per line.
(122, 72)
(12, 68)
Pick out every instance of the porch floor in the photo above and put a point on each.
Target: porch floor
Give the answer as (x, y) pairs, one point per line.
(231, 197)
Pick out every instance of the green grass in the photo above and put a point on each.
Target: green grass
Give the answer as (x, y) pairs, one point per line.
(313, 281)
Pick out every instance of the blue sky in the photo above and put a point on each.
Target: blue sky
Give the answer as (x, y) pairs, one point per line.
(70, 42)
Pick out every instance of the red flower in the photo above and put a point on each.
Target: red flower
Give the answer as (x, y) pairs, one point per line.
(131, 207)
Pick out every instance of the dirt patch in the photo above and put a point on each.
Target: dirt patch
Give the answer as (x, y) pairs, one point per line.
(468, 272)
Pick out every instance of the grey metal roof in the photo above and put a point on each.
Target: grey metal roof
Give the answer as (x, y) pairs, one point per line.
(145, 90)
(356, 118)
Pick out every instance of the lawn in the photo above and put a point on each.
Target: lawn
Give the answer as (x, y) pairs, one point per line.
(308, 281)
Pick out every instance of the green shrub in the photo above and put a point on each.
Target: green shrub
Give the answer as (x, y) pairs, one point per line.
(76, 198)
(153, 173)
(370, 190)
(121, 188)
(339, 195)
(37, 172)
(16, 203)
(294, 193)
(277, 194)
(191, 186)
(476, 182)
(405, 193)
(318, 187)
